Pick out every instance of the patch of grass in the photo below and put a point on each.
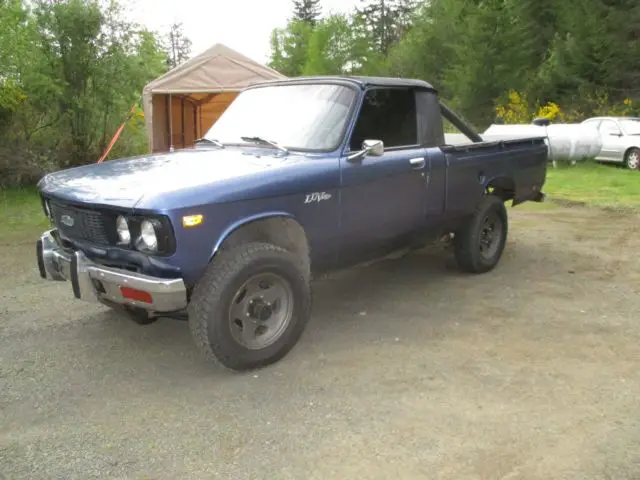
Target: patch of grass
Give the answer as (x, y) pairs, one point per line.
(594, 184)
(20, 212)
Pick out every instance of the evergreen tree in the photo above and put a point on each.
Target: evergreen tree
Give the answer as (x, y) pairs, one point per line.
(597, 51)
(178, 46)
(308, 11)
(493, 56)
(386, 20)
(427, 50)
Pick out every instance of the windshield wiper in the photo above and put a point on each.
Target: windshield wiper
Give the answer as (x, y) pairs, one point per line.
(264, 141)
(211, 141)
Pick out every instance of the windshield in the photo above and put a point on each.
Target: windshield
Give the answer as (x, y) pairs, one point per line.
(631, 126)
(303, 117)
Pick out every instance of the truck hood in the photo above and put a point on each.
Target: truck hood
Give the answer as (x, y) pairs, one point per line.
(124, 183)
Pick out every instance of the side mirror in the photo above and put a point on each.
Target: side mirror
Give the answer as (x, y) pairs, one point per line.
(542, 122)
(375, 148)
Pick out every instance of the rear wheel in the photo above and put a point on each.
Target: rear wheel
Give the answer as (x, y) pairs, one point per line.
(480, 243)
(632, 159)
(251, 307)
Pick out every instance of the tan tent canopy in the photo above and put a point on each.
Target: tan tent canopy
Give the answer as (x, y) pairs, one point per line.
(181, 105)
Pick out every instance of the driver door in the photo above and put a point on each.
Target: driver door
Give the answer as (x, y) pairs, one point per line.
(383, 198)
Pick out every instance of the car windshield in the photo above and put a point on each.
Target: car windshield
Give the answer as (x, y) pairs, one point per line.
(631, 126)
(302, 117)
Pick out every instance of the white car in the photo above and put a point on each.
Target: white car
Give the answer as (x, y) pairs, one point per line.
(620, 138)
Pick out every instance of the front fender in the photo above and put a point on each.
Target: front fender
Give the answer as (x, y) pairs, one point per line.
(228, 231)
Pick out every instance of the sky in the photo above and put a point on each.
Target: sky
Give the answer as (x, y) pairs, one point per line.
(243, 25)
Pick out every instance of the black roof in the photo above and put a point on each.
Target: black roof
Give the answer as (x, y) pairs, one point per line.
(358, 80)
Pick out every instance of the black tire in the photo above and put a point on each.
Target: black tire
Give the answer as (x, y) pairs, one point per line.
(632, 159)
(467, 241)
(210, 318)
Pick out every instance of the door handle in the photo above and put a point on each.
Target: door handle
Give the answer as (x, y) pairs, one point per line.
(417, 163)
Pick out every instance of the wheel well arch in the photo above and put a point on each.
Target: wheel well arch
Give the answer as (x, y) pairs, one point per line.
(278, 228)
(503, 187)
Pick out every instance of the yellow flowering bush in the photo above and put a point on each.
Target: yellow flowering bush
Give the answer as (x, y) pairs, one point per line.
(518, 109)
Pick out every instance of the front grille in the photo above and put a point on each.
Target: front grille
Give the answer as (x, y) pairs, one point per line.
(80, 224)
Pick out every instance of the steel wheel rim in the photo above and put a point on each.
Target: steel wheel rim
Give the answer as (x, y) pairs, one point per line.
(261, 310)
(634, 160)
(490, 235)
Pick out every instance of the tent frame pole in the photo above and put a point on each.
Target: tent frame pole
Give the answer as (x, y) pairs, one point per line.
(182, 116)
(195, 122)
(170, 124)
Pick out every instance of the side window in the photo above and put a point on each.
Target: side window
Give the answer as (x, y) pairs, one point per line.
(608, 127)
(387, 114)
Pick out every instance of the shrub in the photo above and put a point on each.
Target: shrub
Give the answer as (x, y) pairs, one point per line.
(517, 109)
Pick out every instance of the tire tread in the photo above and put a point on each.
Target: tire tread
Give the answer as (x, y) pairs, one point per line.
(210, 290)
(464, 240)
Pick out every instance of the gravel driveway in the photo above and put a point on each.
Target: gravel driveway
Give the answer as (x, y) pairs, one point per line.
(408, 370)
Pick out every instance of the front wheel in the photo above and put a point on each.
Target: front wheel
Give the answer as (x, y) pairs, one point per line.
(251, 306)
(480, 243)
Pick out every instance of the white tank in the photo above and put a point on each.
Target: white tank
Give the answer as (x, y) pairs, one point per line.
(567, 141)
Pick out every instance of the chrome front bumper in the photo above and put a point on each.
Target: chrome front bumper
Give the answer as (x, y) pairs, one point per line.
(95, 283)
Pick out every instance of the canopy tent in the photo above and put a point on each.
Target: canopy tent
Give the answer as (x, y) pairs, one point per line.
(181, 105)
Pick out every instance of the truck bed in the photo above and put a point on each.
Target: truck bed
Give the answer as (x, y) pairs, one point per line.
(461, 174)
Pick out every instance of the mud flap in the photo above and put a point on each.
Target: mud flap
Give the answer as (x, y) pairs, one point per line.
(539, 197)
(535, 195)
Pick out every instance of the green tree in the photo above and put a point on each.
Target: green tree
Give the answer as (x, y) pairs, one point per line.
(15, 37)
(428, 48)
(290, 48)
(493, 56)
(338, 47)
(386, 20)
(76, 68)
(597, 50)
(307, 11)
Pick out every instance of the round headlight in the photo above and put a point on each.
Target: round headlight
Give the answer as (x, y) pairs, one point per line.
(148, 235)
(123, 230)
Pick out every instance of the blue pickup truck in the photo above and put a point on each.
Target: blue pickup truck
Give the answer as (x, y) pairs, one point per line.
(297, 178)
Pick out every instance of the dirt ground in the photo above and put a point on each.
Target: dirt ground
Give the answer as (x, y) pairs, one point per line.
(408, 369)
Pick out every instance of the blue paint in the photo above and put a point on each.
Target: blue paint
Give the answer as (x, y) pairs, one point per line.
(245, 221)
